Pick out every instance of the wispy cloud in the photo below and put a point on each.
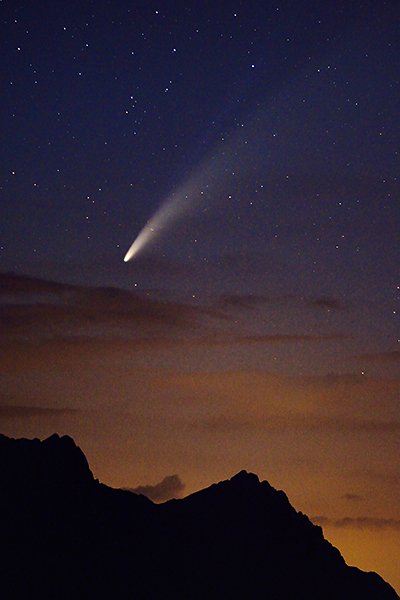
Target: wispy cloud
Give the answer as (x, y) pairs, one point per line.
(386, 478)
(371, 523)
(30, 306)
(352, 497)
(46, 323)
(13, 287)
(295, 422)
(25, 412)
(327, 303)
(391, 356)
(223, 340)
(242, 301)
(253, 301)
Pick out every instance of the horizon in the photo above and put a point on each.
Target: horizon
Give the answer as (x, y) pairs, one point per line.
(171, 488)
(235, 536)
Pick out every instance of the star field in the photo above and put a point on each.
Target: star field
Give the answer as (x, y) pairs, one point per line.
(278, 126)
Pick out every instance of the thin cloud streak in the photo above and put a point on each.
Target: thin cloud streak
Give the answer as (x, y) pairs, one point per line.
(67, 347)
(392, 356)
(8, 411)
(307, 423)
(352, 497)
(327, 303)
(370, 523)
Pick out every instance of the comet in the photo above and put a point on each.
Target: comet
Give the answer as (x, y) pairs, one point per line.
(170, 211)
(178, 204)
(229, 159)
(155, 225)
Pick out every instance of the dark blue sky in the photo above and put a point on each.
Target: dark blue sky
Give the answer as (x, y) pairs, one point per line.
(283, 114)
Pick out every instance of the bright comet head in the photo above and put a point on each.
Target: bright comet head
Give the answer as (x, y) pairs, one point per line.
(177, 205)
(174, 207)
(139, 242)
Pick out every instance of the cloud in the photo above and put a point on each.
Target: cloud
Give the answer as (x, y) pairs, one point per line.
(50, 326)
(390, 356)
(33, 309)
(251, 301)
(170, 487)
(352, 497)
(269, 339)
(14, 286)
(328, 303)
(332, 380)
(25, 412)
(294, 422)
(63, 347)
(371, 523)
(387, 478)
(242, 301)
(31, 306)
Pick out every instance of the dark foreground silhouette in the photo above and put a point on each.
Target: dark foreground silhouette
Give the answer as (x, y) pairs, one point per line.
(65, 535)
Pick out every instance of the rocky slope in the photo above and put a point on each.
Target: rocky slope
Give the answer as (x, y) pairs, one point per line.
(65, 535)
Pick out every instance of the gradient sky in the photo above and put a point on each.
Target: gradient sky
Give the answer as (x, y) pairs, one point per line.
(260, 328)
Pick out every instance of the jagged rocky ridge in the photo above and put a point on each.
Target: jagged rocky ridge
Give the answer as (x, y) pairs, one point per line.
(65, 535)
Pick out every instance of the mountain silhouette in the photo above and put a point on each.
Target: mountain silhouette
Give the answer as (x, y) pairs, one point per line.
(65, 535)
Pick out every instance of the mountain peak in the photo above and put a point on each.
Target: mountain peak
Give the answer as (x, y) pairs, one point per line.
(54, 462)
(66, 535)
(245, 478)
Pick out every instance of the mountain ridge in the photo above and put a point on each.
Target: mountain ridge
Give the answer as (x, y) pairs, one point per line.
(67, 535)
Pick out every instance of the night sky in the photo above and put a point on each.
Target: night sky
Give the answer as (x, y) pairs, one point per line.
(258, 326)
